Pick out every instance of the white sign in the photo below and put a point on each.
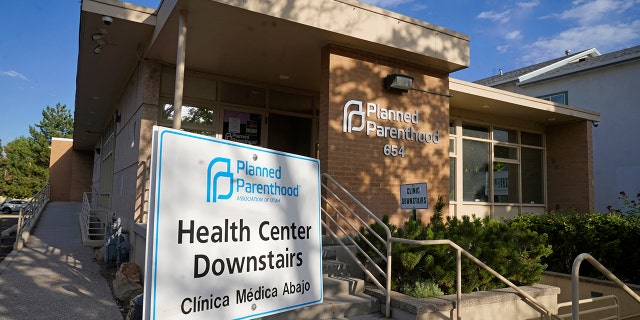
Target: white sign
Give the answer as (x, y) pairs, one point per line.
(233, 232)
(413, 196)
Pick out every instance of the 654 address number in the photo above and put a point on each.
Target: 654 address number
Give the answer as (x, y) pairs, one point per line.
(392, 150)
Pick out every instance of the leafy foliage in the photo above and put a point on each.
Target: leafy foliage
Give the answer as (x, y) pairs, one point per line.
(21, 175)
(610, 238)
(629, 207)
(422, 289)
(24, 162)
(511, 250)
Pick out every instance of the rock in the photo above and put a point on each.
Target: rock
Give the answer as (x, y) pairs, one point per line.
(126, 284)
(99, 254)
(131, 271)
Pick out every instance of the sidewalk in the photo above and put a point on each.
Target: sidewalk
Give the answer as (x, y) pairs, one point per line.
(54, 276)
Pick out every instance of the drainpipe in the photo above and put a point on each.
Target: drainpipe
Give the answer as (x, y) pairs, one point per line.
(180, 66)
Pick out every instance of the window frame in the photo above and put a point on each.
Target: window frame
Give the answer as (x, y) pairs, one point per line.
(563, 94)
(457, 154)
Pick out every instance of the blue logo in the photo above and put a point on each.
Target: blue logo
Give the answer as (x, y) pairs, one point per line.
(213, 177)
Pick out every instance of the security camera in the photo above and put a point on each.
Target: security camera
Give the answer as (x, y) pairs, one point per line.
(107, 20)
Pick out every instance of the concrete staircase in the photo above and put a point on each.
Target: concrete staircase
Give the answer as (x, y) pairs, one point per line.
(344, 296)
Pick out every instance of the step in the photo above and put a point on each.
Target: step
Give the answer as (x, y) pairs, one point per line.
(342, 297)
(333, 308)
(338, 286)
(335, 268)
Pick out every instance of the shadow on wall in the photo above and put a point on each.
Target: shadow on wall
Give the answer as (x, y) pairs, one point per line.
(373, 176)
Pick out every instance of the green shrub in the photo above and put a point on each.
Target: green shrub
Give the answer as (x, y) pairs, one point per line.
(422, 289)
(610, 238)
(512, 251)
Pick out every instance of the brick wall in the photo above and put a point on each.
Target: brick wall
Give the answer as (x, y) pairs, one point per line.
(356, 160)
(69, 171)
(570, 167)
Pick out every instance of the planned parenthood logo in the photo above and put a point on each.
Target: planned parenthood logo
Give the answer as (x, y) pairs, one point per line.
(214, 175)
(249, 182)
(348, 116)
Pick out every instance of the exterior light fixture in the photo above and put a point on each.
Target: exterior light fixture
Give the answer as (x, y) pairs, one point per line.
(398, 82)
(98, 49)
(97, 36)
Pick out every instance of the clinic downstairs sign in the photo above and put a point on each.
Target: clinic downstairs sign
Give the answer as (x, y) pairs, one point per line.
(233, 232)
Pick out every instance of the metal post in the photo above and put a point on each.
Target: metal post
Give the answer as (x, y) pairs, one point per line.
(458, 282)
(19, 244)
(575, 288)
(180, 66)
(388, 295)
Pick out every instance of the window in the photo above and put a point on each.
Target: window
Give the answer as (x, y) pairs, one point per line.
(475, 165)
(498, 165)
(560, 97)
(195, 118)
(532, 182)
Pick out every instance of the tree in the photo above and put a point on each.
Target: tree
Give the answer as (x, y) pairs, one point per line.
(24, 162)
(22, 176)
(56, 122)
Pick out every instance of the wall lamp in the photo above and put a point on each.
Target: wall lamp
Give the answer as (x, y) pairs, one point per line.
(398, 82)
(404, 83)
(97, 36)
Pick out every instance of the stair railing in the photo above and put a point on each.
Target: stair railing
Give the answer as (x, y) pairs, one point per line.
(334, 192)
(29, 214)
(332, 189)
(94, 212)
(575, 282)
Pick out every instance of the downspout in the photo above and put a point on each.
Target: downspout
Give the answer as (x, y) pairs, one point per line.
(180, 66)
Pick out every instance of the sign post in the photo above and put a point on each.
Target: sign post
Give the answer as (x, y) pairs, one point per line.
(414, 196)
(233, 231)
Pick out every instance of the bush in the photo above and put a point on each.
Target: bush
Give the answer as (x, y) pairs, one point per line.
(512, 251)
(610, 238)
(422, 289)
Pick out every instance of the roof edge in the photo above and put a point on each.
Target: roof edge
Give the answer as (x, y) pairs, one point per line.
(523, 100)
(593, 52)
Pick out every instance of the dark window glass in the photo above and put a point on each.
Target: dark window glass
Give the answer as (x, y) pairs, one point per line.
(532, 179)
(475, 166)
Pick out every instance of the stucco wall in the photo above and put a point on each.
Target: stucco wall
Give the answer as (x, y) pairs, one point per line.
(613, 92)
(357, 160)
(135, 114)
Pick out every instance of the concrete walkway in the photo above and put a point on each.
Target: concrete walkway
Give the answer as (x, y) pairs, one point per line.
(54, 276)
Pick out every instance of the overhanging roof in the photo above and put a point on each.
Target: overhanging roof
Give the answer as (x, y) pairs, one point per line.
(252, 40)
(489, 101)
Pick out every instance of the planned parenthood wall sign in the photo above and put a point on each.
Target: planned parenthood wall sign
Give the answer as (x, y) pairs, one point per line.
(234, 230)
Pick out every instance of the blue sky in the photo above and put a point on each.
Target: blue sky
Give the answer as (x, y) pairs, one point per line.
(39, 42)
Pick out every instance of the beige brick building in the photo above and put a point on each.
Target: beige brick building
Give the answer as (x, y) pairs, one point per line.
(308, 77)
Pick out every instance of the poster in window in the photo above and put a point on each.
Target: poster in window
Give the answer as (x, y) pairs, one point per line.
(242, 127)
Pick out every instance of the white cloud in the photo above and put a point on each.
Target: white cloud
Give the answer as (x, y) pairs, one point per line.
(502, 17)
(529, 4)
(604, 37)
(13, 74)
(419, 7)
(593, 11)
(513, 35)
(503, 48)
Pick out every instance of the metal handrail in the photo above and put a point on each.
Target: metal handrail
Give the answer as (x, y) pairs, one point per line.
(29, 214)
(460, 251)
(615, 306)
(387, 287)
(531, 301)
(575, 282)
(92, 209)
